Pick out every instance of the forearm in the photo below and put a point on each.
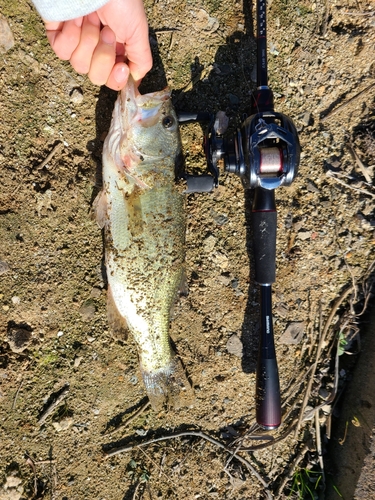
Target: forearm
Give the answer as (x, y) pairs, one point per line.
(63, 10)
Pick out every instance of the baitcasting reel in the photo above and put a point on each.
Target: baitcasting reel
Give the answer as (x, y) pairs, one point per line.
(264, 152)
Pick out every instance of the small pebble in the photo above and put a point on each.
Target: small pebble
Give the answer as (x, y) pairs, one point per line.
(77, 361)
(323, 393)
(12, 482)
(6, 36)
(95, 292)
(304, 235)
(141, 432)
(209, 243)
(19, 339)
(235, 346)
(87, 310)
(63, 425)
(76, 96)
(4, 267)
(293, 334)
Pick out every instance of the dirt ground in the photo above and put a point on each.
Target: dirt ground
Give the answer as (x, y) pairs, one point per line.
(54, 339)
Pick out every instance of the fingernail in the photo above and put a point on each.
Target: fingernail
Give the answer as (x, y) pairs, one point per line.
(121, 73)
(78, 22)
(107, 36)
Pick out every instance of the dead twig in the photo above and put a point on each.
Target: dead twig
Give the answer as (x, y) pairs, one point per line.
(136, 489)
(55, 150)
(133, 417)
(319, 446)
(282, 436)
(31, 463)
(51, 408)
(344, 104)
(367, 286)
(321, 345)
(342, 440)
(335, 176)
(358, 161)
(297, 460)
(202, 435)
(158, 467)
(16, 395)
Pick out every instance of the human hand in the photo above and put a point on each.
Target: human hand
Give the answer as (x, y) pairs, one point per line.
(105, 44)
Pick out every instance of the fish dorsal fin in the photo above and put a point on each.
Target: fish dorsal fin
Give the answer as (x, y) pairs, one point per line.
(118, 327)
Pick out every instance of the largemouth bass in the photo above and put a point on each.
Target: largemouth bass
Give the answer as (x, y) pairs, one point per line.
(143, 217)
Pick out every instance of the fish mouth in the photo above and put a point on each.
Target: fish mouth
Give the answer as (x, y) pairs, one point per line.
(142, 109)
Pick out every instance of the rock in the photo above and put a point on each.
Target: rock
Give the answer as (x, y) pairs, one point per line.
(310, 186)
(19, 338)
(323, 393)
(12, 482)
(306, 119)
(6, 36)
(76, 96)
(304, 235)
(225, 280)
(204, 22)
(77, 361)
(209, 243)
(4, 267)
(12, 488)
(234, 346)
(220, 260)
(87, 310)
(29, 61)
(293, 334)
(63, 425)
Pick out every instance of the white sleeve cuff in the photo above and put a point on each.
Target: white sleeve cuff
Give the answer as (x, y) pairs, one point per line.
(63, 10)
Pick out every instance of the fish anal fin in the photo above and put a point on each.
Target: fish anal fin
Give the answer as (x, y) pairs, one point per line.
(117, 324)
(99, 209)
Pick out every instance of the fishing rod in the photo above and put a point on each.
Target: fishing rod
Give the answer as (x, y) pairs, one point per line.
(264, 152)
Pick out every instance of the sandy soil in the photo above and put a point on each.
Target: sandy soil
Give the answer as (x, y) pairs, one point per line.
(53, 330)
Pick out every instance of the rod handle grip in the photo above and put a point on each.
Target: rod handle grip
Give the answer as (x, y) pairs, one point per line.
(264, 234)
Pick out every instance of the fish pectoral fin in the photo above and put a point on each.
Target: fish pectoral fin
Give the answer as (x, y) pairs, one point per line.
(99, 209)
(117, 324)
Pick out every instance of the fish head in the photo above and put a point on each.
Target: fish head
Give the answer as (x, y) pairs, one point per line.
(149, 126)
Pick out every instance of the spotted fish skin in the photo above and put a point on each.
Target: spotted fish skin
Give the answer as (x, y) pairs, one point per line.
(142, 214)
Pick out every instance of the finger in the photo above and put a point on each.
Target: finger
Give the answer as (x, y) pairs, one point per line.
(90, 33)
(65, 39)
(103, 58)
(118, 76)
(139, 57)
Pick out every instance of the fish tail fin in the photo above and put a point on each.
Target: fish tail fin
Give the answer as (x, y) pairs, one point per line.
(168, 386)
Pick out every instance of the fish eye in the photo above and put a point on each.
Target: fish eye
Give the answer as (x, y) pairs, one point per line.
(168, 121)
